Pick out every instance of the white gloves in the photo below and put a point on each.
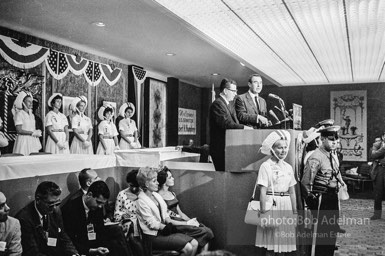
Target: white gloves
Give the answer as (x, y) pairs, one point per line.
(117, 147)
(36, 133)
(193, 222)
(61, 145)
(86, 144)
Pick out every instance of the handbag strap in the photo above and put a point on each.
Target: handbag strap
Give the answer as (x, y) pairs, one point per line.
(256, 183)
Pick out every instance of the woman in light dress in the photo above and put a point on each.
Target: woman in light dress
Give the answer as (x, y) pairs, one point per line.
(82, 128)
(278, 173)
(108, 140)
(27, 140)
(57, 127)
(127, 127)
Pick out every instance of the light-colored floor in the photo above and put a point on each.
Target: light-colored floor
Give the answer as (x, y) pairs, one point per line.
(363, 236)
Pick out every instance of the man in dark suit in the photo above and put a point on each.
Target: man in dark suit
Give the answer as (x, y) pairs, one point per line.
(83, 221)
(42, 231)
(250, 107)
(222, 117)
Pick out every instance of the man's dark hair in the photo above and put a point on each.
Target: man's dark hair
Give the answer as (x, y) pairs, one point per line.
(226, 84)
(251, 77)
(131, 177)
(47, 188)
(83, 177)
(99, 188)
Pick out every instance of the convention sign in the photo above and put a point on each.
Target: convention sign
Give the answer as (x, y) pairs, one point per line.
(187, 121)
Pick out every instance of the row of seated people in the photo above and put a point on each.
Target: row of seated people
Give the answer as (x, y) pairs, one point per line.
(82, 225)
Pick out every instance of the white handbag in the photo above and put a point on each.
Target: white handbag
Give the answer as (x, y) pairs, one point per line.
(3, 140)
(343, 193)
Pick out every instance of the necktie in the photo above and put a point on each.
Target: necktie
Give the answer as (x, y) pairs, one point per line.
(257, 102)
(45, 222)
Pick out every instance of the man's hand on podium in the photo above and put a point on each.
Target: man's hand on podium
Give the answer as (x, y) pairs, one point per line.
(247, 127)
(263, 120)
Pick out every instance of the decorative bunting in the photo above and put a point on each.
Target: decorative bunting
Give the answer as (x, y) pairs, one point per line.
(21, 55)
(25, 55)
(57, 64)
(75, 66)
(140, 76)
(111, 76)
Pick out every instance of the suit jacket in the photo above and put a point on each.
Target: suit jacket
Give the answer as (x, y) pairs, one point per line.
(75, 224)
(247, 111)
(149, 215)
(222, 117)
(33, 238)
(10, 233)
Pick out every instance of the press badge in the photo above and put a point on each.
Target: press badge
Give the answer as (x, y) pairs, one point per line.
(91, 232)
(51, 241)
(3, 245)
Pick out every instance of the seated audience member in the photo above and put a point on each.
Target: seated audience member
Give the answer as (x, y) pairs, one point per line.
(126, 213)
(158, 228)
(86, 177)
(200, 232)
(10, 233)
(83, 221)
(42, 231)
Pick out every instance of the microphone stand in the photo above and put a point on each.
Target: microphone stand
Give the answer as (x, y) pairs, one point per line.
(282, 103)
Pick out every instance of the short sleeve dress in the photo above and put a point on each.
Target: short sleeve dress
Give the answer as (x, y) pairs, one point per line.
(83, 124)
(282, 238)
(126, 204)
(108, 130)
(58, 122)
(128, 127)
(26, 144)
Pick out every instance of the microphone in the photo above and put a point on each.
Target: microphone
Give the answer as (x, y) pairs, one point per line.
(274, 96)
(271, 112)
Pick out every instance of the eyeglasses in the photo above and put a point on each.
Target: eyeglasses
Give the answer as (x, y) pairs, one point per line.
(232, 90)
(52, 205)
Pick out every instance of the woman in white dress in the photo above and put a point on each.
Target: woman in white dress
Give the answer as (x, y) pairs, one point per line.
(108, 140)
(57, 127)
(27, 140)
(275, 171)
(127, 127)
(82, 128)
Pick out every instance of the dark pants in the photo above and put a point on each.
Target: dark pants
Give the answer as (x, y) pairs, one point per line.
(327, 224)
(378, 187)
(218, 161)
(113, 238)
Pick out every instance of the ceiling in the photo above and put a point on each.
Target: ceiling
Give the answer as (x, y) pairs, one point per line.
(289, 42)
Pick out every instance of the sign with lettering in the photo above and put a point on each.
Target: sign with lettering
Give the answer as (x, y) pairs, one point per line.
(187, 121)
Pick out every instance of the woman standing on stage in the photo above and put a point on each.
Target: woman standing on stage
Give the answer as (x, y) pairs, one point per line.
(127, 127)
(107, 131)
(27, 140)
(276, 180)
(82, 128)
(57, 127)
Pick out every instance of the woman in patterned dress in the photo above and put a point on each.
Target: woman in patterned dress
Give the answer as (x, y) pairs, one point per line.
(82, 128)
(127, 127)
(276, 172)
(57, 127)
(126, 213)
(107, 131)
(27, 140)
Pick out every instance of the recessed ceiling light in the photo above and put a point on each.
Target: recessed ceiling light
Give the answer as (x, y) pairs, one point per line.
(242, 64)
(99, 24)
(170, 54)
(215, 74)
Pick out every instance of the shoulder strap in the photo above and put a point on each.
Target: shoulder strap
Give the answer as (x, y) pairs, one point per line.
(256, 183)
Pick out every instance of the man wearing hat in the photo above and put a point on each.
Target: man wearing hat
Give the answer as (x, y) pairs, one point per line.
(321, 180)
(222, 117)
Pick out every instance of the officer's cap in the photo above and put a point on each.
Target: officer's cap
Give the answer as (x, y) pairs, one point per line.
(325, 123)
(330, 132)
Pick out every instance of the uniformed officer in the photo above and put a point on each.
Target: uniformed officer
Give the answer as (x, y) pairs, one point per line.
(321, 180)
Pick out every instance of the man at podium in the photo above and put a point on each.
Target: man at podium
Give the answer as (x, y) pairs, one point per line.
(250, 107)
(222, 117)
